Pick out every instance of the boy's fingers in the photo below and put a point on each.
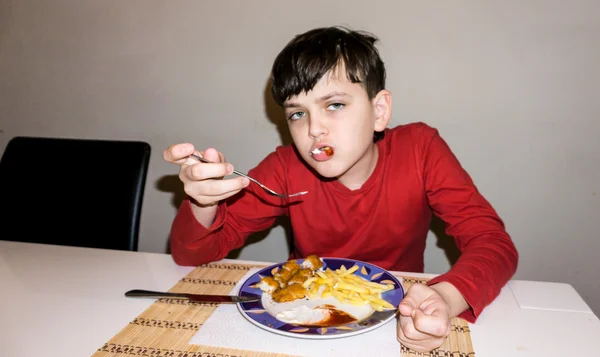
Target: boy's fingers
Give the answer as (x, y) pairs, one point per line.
(213, 191)
(178, 153)
(212, 155)
(430, 307)
(430, 324)
(407, 330)
(204, 171)
(211, 200)
(226, 187)
(225, 195)
(405, 308)
(216, 188)
(425, 345)
(412, 300)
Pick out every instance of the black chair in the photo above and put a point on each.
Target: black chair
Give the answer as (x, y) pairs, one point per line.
(77, 192)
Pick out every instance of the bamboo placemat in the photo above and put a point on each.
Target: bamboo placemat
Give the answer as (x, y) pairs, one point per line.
(165, 328)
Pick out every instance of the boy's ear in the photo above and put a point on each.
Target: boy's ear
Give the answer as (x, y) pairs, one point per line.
(382, 105)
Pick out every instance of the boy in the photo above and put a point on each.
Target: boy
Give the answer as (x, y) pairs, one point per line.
(371, 190)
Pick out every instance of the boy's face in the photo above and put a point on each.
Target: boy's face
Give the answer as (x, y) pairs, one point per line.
(338, 114)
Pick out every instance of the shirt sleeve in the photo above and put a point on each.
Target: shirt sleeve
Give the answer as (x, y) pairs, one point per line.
(247, 212)
(488, 256)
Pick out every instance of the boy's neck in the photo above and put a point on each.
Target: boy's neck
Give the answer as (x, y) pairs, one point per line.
(358, 174)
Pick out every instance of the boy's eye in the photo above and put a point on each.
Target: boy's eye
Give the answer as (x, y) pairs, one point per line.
(296, 115)
(335, 106)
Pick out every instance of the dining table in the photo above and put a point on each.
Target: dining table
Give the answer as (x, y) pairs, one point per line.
(70, 302)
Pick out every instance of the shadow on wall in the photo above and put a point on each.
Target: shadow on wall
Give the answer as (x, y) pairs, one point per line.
(282, 221)
(172, 184)
(444, 241)
(276, 115)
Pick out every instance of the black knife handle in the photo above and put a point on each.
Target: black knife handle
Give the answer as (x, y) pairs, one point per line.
(154, 294)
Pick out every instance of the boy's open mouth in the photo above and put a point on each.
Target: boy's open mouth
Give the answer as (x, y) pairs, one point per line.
(322, 153)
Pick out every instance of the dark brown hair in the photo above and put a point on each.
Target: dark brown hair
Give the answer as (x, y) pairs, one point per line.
(309, 56)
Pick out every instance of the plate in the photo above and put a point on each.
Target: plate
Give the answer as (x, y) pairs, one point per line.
(257, 314)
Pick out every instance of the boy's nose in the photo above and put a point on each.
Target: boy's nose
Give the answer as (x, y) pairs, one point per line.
(316, 128)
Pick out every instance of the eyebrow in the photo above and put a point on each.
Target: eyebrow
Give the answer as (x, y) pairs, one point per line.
(322, 99)
(331, 95)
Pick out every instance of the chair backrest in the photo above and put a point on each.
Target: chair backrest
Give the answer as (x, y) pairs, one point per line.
(76, 192)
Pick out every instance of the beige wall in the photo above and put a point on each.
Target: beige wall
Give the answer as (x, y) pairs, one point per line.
(513, 86)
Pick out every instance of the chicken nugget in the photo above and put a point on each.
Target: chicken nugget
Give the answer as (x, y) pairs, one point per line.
(312, 262)
(291, 265)
(268, 284)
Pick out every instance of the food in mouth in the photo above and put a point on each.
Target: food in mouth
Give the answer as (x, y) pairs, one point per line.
(328, 150)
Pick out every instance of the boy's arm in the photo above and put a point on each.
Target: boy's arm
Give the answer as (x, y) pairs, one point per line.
(488, 256)
(236, 218)
(205, 215)
(192, 243)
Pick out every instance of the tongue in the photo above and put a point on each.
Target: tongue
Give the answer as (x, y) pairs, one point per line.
(321, 156)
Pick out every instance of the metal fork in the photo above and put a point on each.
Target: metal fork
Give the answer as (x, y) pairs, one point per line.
(268, 190)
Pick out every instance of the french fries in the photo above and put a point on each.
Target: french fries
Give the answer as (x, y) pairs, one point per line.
(348, 288)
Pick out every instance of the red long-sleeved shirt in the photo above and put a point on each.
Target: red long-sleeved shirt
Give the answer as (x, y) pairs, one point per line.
(385, 222)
